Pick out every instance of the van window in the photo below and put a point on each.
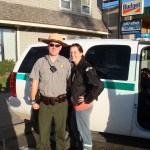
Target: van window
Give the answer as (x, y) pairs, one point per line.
(65, 51)
(144, 89)
(34, 54)
(110, 61)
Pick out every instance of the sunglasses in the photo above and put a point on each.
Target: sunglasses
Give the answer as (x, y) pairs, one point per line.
(54, 45)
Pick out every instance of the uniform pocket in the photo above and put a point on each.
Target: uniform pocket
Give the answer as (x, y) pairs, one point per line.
(62, 73)
(44, 74)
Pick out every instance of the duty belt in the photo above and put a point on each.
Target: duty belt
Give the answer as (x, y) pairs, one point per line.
(53, 100)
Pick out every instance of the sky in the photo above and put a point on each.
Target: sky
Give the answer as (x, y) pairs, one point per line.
(146, 3)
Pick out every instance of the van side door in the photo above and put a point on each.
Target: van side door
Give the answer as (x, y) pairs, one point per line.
(141, 123)
(115, 65)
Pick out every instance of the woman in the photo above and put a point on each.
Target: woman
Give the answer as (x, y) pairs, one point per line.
(85, 87)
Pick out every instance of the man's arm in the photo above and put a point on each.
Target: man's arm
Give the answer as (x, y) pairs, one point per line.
(34, 90)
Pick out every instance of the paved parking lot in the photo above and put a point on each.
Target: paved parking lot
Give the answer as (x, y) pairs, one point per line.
(17, 133)
(9, 121)
(101, 142)
(104, 141)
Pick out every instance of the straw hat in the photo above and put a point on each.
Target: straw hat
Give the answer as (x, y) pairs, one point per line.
(55, 37)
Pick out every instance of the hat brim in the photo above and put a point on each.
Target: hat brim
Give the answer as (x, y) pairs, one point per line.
(47, 41)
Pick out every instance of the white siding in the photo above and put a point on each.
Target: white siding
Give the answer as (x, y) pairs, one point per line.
(34, 3)
(95, 11)
(76, 7)
(55, 5)
(27, 38)
(50, 4)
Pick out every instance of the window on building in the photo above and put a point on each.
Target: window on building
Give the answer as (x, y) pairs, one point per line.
(7, 44)
(110, 61)
(66, 4)
(85, 6)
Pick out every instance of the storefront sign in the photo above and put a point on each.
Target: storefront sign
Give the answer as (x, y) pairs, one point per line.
(131, 26)
(142, 35)
(133, 8)
(107, 1)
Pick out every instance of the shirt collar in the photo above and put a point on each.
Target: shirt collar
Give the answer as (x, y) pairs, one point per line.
(58, 59)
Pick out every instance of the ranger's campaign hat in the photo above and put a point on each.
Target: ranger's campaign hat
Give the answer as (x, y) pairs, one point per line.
(54, 37)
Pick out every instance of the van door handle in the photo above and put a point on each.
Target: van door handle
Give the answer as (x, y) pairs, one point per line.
(135, 106)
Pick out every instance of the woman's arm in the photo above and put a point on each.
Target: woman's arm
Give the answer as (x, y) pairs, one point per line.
(94, 84)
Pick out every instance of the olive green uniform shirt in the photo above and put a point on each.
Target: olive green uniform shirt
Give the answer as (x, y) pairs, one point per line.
(51, 84)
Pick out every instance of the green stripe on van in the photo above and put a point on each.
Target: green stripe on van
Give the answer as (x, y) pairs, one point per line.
(23, 77)
(119, 86)
(107, 85)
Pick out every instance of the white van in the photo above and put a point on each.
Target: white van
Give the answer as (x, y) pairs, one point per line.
(123, 66)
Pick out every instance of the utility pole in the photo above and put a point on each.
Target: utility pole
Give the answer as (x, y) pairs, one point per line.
(119, 19)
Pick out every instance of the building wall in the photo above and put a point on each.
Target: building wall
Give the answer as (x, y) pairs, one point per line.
(29, 35)
(110, 18)
(46, 17)
(96, 12)
(145, 27)
(34, 3)
(55, 5)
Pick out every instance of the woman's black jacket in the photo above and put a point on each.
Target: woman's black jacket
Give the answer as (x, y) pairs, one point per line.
(85, 82)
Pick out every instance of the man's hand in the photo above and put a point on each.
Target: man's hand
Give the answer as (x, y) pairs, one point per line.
(35, 106)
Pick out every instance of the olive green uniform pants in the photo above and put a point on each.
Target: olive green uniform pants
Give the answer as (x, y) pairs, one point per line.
(46, 114)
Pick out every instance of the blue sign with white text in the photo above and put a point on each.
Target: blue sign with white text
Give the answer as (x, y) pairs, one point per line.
(131, 27)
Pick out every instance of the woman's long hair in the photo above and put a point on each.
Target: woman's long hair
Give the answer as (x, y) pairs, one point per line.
(80, 49)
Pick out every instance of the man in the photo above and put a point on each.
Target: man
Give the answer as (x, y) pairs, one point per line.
(50, 75)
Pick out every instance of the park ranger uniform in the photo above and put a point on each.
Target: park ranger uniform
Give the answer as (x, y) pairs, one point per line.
(52, 87)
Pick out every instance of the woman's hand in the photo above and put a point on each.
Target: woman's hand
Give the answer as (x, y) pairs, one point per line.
(80, 99)
(35, 106)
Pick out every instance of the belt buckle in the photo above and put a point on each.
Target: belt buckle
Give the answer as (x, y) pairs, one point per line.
(47, 101)
(61, 98)
(52, 101)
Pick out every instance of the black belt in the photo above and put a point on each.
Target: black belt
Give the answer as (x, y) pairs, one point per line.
(53, 100)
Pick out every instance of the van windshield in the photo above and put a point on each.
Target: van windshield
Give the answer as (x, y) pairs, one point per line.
(110, 61)
(34, 54)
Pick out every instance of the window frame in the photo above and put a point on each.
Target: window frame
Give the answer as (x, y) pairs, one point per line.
(85, 13)
(109, 73)
(66, 8)
(3, 31)
(36, 53)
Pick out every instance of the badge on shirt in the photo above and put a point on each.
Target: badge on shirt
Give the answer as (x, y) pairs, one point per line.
(62, 65)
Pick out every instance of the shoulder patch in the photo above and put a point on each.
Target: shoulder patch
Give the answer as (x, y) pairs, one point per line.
(88, 68)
